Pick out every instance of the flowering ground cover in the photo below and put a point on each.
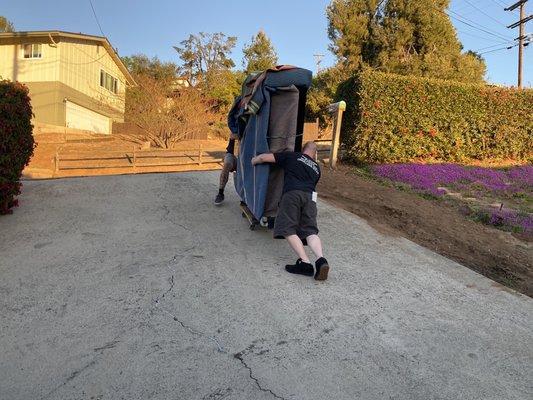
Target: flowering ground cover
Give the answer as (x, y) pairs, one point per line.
(502, 197)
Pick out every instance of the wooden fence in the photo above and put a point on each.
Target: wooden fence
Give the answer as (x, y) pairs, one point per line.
(136, 159)
(125, 128)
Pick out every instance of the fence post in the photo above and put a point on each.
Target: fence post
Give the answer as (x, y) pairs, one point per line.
(134, 161)
(338, 109)
(56, 162)
(200, 154)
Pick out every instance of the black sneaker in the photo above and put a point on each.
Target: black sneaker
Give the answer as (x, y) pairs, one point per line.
(300, 268)
(219, 199)
(322, 269)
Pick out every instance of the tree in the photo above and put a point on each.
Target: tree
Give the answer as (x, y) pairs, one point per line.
(323, 92)
(164, 116)
(140, 64)
(223, 86)
(259, 54)
(205, 52)
(6, 25)
(354, 30)
(400, 36)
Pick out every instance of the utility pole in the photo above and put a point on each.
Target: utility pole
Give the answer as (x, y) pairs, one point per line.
(318, 61)
(521, 24)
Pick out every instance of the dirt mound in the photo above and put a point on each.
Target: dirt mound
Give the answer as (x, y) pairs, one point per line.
(435, 225)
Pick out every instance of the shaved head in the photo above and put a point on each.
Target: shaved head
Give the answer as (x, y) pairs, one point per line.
(310, 149)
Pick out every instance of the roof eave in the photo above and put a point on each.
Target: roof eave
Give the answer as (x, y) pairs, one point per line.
(101, 39)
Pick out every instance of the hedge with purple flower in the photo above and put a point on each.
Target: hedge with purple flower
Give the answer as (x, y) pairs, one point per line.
(511, 183)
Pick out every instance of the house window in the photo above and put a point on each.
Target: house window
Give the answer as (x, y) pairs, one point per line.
(108, 81)
(33, 50)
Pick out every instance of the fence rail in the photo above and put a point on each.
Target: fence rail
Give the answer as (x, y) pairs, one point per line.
(136, 158)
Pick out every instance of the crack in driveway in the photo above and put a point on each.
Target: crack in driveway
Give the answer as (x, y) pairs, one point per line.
(239, 356)
(100, 350)
(220, 348)
(159, 298)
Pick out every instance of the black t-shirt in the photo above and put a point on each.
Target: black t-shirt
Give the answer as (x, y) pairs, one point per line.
(231, 147)
(301, 171)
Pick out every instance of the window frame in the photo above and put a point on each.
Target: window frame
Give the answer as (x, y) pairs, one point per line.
(107, 79)
(32, 51)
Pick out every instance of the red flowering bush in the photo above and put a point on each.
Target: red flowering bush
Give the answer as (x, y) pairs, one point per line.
(393, 118)
(16, 141)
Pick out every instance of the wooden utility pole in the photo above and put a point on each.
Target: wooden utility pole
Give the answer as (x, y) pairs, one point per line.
(521, 46)
(521, 24)
(318, 61)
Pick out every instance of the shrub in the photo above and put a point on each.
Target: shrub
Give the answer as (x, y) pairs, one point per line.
(16, 141)
(164, 116)
(393, 118)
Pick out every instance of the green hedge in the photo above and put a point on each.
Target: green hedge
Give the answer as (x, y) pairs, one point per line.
(16, 141)
(392, 118)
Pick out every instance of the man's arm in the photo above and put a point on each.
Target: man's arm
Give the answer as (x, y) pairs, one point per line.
(263, 158)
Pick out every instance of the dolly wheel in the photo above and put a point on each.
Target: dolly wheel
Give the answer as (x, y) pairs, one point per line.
(252, 227)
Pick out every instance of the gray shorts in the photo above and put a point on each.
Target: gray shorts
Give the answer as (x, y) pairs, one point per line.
(296, 215)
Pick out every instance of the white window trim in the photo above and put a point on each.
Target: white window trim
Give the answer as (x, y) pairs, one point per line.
(31, 58)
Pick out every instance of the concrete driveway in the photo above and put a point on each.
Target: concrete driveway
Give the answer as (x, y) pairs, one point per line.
(137, 287)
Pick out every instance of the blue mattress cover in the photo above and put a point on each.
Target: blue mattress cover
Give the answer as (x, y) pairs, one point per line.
(251, 182)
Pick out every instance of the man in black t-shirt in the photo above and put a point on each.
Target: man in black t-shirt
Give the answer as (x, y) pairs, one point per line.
(296, 219)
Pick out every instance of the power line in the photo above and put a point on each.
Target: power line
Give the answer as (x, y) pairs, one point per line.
(484, 13)
(96, 18)
(478, 37)
(502, 48)
(494, 45)
(498, 3)
(464, 20)
(480, 29)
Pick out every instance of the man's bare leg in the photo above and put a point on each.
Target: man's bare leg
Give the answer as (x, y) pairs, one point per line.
(296, 243)
(224, 174)
(229, 165)
(315, 243)
(321, 265)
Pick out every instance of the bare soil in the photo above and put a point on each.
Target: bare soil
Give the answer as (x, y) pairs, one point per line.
(436, 225)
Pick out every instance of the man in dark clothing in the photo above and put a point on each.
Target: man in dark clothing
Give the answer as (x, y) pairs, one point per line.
(236, 126)
(296, 219)
(230, 165)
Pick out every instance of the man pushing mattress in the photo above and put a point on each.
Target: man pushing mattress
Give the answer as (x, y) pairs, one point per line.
(296, 219)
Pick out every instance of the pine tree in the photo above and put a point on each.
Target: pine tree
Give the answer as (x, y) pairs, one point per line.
(354, 31)
(401, 36)
(259, 54)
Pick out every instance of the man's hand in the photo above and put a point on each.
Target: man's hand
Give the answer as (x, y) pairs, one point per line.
(263, 158)
(233, 136)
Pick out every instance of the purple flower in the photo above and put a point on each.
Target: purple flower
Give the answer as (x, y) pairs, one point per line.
(429, 177)
(478, 181)
(512, 219)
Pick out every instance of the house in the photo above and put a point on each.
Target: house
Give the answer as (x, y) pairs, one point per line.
(75, 80)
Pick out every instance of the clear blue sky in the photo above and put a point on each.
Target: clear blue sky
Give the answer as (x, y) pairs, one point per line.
(296, 27)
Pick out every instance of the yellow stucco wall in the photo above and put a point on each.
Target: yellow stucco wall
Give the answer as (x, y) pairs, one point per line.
(80, 66)
(15, 67)
(71, 62)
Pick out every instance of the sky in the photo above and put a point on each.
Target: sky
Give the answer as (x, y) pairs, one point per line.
(297, 28)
